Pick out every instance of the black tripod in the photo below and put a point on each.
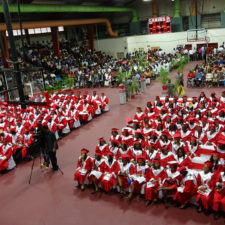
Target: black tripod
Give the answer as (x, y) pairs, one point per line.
(32, 168)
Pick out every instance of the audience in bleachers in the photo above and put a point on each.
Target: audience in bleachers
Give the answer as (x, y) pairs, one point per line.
(211, 73)
(92, 68)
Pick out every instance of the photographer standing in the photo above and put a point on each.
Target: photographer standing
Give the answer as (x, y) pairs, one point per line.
(50, 147)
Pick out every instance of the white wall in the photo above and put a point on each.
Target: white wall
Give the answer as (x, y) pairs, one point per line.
(166, 41)
(112, 46)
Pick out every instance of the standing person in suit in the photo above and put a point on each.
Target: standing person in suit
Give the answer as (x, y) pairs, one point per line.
(51, 146)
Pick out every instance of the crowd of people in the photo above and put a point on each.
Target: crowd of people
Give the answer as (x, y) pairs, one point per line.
(211, 73)
(92, 68)
(66, 111)
(173, 150)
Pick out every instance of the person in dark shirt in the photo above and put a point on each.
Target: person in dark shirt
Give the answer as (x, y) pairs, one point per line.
(50, 148)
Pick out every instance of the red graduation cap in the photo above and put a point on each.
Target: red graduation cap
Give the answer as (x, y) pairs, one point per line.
(101, 139)
(155, 160)
(208, 163)
(125, 156)
(110, 153)
(115, 129)
(12, 129)
(128, 119)
(84, 150)
(141, 157)
(177, 135)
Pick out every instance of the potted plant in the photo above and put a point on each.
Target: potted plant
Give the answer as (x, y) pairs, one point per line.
(68, 82)
(163, 77)
(134, 88)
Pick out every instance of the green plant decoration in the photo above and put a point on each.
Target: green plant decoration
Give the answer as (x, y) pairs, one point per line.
(134, 87)
(163, 76)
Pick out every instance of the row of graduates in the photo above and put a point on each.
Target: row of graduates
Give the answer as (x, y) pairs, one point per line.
(66, 111)
(155, 179)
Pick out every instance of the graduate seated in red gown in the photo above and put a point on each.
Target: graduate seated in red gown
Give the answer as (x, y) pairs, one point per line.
(185, 163)
(155, 175)
(96, 172)
(138, 177)
(219, 194)
(186, 188)
(205, 184)
(127, 169)
(111, 169)
(84, 167)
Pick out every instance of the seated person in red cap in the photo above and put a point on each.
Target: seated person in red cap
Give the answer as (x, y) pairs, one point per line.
(97, 171)
(139, 115)
(219, 193)
(138, 178)
(73, 117)
(127, 169)
(27, 141)
(154, 177)
(205, 185)
(217, 163)
(137, 151)
(165, 156)
(114, 148)
(123, 150)
(86, 112)
(149, 108)
(186, 189)
(170, 183)
(183, 160)
(111, 169)
(102, 148)
(177, 142)
(104, 103)
(127, 138)
(6, 157)
(199, 134)
(63, 123)
(115, 137)
(211, 134)
(139, 138)
(221, 116)
(185, 132)
(221, 148)
(164, 141)
(96, 102)
(84, 167)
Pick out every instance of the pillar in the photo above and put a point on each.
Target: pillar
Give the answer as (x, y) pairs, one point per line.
(155, 8)
(176, 9)
(135, 28)
(90, 36)
(177, 21)
(194, 19)
(55, 40)
(27, 36)
(222, 16)
(194, 7)
(4, 48)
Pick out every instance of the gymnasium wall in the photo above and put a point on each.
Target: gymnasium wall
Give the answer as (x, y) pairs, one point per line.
(167, 42)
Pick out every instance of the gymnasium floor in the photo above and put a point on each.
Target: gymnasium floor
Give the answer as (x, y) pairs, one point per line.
(51, 199)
